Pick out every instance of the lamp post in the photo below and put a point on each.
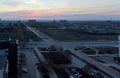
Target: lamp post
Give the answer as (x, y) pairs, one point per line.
(76, 49)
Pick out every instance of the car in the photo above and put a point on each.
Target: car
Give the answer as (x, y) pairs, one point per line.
(24, 70)
(73, 69)
(76, 73)
(79, 76)
(37, 63)
(71, 77)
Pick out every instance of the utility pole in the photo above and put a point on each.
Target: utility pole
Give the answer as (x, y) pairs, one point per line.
(119, 45)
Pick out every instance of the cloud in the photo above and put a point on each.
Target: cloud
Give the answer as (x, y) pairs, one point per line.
(25, 14)
(21, 9)
(13, 3)
(31, 14)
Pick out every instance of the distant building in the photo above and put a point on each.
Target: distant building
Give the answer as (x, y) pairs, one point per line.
(62, 24)
(31, 20)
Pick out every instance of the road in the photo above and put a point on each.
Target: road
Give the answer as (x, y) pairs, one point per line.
(40, 34)
(77, 62)
(31, 61)
(73, 44)
(89, 44)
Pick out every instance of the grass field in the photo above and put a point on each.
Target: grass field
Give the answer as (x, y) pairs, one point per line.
(73, 35)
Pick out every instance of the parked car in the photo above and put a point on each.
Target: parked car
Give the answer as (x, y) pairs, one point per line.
(24, 70)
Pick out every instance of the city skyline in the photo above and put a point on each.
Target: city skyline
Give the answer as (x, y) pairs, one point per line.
(60, 9)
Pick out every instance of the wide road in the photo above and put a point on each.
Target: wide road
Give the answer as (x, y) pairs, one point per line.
(88, 44)
(67, 45)
(31, 61)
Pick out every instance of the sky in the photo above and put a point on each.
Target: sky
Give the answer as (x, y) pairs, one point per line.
(60, 9)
